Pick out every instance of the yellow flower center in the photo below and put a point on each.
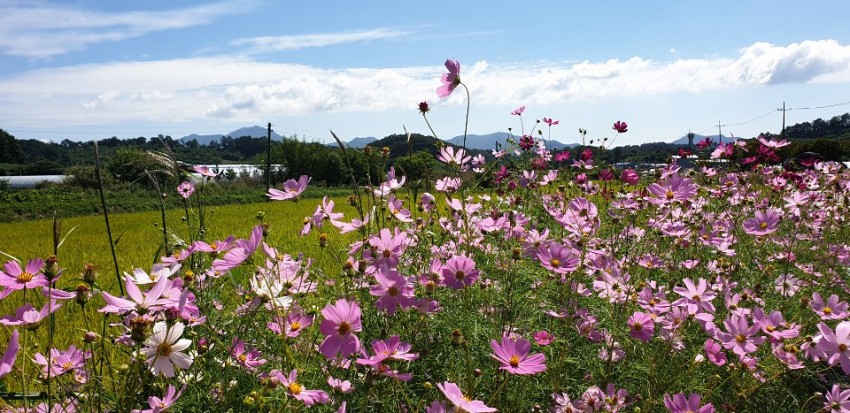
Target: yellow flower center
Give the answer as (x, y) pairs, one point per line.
(164, 349)
(555, 262)
(763, 225)
(295, 326)
(25, 277)
(242, 358)
(295, 388)
(827, 310)
(514, 361)
(740, 338)
(669, 194)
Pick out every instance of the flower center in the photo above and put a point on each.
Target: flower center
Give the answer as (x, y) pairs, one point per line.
(827, 310)
(344, 328)
(740, 338)
(387, 253)
(763, 225)
(637, 326)
(460, 274)
(164, 349)
(842, 348)
(514, 361)
(555, 262)
(695, 298)
(669, 194)
(295, 388)
(242, 358)
(393, 291)
(25, 277)
(295, 326)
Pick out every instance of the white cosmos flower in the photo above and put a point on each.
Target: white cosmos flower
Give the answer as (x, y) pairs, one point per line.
(164, 349)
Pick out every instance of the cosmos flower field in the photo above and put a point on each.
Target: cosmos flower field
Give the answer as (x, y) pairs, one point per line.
(531, 281)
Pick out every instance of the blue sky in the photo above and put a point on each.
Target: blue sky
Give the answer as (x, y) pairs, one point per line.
(84, 70)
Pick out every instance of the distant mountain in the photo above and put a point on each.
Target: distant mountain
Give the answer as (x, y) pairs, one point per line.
(697, 137)
(488, 141)
(360, 142)
(252, 131)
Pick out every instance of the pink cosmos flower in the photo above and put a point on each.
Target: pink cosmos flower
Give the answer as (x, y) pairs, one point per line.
(296, 321)
(342, 319)
(164, 349)
(342, 386)
(513, 354)
(459, 271)
(161, 404)
(9, 355)
(695, 297)
(386, 248)
(395, 208)
(297, 390)
(449, 155)
(681, 404)
(204, 171)
(186, 189)
(153, 300)
(550, 122)
(291, 189)
(391, 349)
(629, 177)
(772, 143)
(621, 127)
(837, 400)
(518, 111)
(558, 258)
(450, 80)
(832, 309)
(61, 362)
(674, 188)
(765, 222)
(740, 335)
(543, 338)
(393, 289)
(835, 345)
(641, 326)
(14, 278)
(250, 360)
(28, 317)
(456, 397)
(714, 352)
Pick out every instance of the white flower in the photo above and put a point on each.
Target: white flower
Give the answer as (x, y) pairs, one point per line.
(164, 349)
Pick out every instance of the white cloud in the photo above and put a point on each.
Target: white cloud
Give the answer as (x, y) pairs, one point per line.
(233, 89)
(282, 43)
(42, 30)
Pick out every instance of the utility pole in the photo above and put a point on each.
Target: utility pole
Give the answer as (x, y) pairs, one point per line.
(719, 134)
(782, 134)
(269, 159)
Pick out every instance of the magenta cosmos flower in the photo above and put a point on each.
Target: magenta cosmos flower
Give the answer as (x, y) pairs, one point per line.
(28, 317)
(681, 404)
(740, 336)
(513, 354)
(391, 349)
(837, 400)
(765, 222)
(15, 278)
(393, 289)
(456, 397)
(160, 404)
(249, 359)
(695, 297)
(831, 309)
(621, 127)
(342, 319)
(629, 177)
(450, 80)
(291, 189)
(459, 272)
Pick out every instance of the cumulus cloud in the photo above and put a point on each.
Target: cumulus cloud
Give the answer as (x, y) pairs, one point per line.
(266, 44)
(193, 89)
(42, 30)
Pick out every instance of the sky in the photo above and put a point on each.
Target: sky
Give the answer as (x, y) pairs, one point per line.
(88, 69)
